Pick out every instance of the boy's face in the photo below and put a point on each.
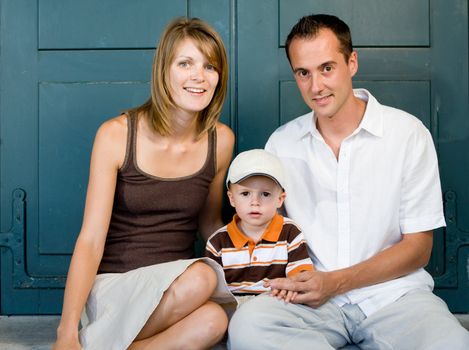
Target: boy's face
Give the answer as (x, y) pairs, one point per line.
(256, 201)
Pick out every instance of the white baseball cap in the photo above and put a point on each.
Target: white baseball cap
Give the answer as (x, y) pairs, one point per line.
(256, 162)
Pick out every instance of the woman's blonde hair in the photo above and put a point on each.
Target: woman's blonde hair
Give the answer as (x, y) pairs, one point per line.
(158, 107)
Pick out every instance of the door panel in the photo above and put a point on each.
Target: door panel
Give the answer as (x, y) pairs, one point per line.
(90, 24)
(377, 23)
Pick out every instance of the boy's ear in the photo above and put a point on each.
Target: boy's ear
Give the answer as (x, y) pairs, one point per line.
(230, 197)
(281, 199)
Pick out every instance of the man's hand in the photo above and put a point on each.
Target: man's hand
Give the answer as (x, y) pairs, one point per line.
(312, 288)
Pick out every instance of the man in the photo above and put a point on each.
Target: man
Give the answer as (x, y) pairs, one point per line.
(364, 186)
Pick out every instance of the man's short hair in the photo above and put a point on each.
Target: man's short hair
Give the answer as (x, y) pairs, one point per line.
(308, 27)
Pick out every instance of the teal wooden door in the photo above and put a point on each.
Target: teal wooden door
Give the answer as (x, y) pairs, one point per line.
(413, 54)
(66, 66)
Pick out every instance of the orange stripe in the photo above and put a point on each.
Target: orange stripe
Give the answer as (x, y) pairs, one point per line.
(270, 246)
(257, 263)
(299, 269)
(233, 250)
(296, 245)
(234, 265)
(243, 283)
(213, 251)
(269, 262)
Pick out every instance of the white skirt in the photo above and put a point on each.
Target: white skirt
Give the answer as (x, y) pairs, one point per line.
(120, 304)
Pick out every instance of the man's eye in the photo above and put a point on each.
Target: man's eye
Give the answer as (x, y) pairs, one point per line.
(305, 76)
(327, 69)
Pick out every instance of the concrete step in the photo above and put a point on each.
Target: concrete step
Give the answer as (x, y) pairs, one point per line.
(27, 332)
(38, 332)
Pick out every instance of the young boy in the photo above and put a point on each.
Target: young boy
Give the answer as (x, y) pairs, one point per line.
(259, 243)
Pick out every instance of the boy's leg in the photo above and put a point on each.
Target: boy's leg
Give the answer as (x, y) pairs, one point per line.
(267, 323)
(418, 320)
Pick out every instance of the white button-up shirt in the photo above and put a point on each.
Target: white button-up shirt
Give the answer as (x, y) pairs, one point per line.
(384, 184)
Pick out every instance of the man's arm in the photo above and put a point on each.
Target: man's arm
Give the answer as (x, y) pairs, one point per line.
(314, 288)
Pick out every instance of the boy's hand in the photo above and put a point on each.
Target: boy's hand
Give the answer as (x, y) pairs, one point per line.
(312, 288)
(283, 294)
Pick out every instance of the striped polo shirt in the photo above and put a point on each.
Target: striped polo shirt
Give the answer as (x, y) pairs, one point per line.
(280, 252)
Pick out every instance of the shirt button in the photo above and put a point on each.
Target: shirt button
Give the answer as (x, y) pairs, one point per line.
(254, 258)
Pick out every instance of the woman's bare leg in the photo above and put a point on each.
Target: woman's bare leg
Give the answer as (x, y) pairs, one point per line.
(187, 293)
(201, 329)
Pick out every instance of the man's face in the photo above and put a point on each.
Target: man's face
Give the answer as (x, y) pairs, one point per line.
(322, 74)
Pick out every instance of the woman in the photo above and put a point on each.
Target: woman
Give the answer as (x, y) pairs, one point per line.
(156, 178)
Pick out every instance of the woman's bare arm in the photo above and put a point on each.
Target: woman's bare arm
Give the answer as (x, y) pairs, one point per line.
(106, 158)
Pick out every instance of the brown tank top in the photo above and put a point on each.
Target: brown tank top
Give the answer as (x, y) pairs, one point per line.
(154, 220)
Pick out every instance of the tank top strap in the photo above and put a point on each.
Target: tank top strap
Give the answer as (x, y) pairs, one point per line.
(130, 147)
(212, 149)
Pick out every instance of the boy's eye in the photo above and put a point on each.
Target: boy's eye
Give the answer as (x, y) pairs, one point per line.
(266, 194)
(244, 194)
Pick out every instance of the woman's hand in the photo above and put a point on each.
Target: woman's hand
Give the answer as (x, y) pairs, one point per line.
(67, 343)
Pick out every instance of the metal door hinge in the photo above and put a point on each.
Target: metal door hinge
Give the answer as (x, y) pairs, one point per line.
(14, 240)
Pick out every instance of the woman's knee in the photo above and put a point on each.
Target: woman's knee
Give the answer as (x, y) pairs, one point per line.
(202, 277)
(196, 284)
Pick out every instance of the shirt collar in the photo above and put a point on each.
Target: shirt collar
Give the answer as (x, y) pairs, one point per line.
(372, 120)
(271, 234)
(307, 125)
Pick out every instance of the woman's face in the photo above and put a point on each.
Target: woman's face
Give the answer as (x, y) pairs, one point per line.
(192, 78)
